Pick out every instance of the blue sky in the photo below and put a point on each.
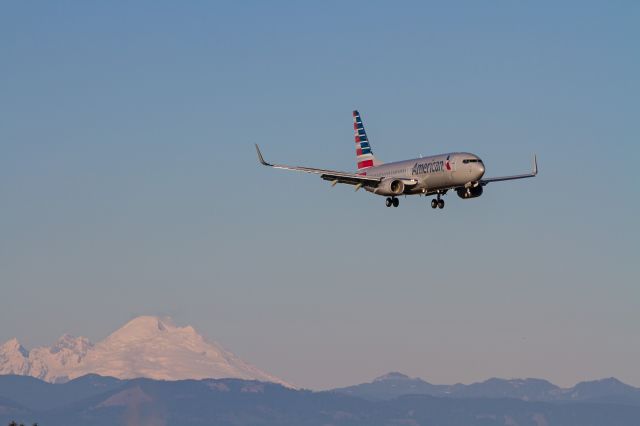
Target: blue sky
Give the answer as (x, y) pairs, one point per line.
(129, 182)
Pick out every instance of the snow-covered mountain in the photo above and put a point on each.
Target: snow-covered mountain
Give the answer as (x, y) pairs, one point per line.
(146, 346)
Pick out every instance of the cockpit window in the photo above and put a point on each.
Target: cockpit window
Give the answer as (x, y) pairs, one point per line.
(472, 160)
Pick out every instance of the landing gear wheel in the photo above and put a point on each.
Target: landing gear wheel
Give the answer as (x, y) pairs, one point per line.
(434, 203)
(395, 202)
(389, 202)
(441, 203)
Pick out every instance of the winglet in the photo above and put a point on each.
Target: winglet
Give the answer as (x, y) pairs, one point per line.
(260, 157)
(535, 165)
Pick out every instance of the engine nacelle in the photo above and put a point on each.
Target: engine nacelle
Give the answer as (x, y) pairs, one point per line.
(466, 193)
(390, 186)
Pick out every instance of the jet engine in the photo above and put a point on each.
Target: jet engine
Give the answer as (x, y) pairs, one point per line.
(472, 192)
(390, 187)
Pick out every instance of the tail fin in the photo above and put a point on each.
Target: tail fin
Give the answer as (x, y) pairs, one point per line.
(364, 155)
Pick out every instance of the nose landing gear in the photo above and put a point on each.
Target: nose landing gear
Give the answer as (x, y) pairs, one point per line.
(437, 202)
(392, 201)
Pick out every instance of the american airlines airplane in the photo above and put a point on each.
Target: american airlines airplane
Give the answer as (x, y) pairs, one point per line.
(459, 171)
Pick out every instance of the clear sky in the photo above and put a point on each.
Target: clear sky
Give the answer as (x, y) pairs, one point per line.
(129, 183)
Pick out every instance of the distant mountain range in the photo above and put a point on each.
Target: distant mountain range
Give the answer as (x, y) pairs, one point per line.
(394, 385)
(102, 401)
(146, 346)
(152, 373)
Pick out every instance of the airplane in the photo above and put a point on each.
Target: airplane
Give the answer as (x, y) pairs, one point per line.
(461, 172)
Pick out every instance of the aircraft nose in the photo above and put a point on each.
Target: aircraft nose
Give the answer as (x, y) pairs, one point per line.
(480, 170)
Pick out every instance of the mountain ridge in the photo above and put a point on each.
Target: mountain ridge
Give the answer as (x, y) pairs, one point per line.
(103, 401)
(394, 385)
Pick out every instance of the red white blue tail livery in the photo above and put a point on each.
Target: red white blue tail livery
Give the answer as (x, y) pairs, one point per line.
(364, 155)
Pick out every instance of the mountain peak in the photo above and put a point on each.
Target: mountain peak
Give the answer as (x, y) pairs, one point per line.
(14, 358)
(144, 328)
(610, 381)
(74, 344)
(146, 346)
(597, 388)
(148, 322)
(394, 375)
(13, 346)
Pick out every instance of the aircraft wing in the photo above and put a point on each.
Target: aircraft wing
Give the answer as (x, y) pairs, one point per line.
(330, 175)
(534, 172)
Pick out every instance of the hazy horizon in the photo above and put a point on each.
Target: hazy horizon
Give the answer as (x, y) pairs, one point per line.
(130, 185)
(364, 380)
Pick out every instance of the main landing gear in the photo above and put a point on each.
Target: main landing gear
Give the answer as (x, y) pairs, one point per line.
(437, 203)
(392, 201)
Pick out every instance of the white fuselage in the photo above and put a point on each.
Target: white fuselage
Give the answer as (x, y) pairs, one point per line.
(433, 173)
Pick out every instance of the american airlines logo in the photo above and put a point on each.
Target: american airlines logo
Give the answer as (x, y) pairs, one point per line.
(433, 166)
